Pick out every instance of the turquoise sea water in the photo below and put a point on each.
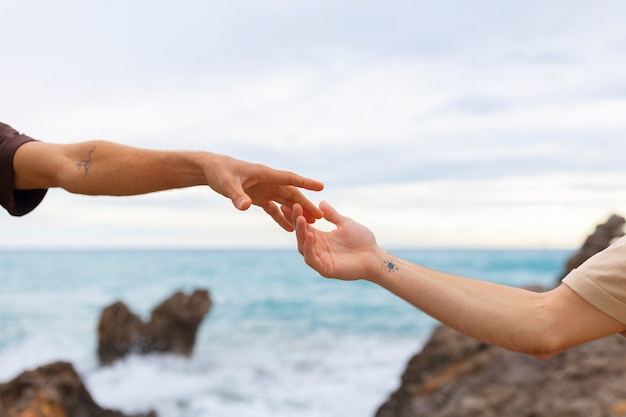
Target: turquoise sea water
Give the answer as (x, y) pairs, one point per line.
(278, 341)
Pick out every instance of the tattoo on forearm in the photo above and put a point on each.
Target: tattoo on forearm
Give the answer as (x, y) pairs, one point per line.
(85, 164)
(391, 264)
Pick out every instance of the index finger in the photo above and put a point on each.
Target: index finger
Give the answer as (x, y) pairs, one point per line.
(291, 178)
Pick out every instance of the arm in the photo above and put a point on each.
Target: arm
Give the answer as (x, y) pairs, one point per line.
(106, 168)
(540, 324)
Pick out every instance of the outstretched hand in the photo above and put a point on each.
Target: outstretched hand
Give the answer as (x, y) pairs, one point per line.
(348, 252)
(247, 183)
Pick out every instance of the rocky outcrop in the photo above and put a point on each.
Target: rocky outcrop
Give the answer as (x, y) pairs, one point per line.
(599, 240)
(54, 390)
(172, 327)
(457, 376)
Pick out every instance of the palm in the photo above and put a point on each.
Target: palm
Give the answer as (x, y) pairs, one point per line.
(344, 253)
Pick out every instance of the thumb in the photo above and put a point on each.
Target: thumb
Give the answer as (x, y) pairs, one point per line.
(240, 199)
(331, 214)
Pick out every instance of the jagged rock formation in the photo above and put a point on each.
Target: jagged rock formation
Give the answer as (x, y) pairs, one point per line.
(599, 240)
(458, 376)
(172, 327)
(54, 390)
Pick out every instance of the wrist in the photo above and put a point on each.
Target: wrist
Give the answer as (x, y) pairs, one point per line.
(206, 166)
(381, 264)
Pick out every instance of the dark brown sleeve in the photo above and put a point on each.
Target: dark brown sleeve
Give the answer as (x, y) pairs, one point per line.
(16, 202)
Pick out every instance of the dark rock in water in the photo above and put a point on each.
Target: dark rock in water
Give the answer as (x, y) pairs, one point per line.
(458, 376)
(54, 390)
(596, 242)
(120, 331)
(174, 323)
(172, 327)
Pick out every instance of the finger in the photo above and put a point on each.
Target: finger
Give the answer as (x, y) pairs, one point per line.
(291, 178)
(331, 214)
(309, 218)
(290, 193)
(308, 251)
(301, 233)
(238, 196)
(288, 196)
(311, 210)
(288, 213)
(276, 214)
(291, 217)
(297, 211)
(241, 201)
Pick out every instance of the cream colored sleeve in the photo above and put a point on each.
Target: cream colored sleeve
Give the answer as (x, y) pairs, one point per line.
(601, 280)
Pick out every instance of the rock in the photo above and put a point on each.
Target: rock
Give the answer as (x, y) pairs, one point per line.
(456, 375)
(599, 240)
(172, 327)
(174, 323)
(120, 332)
(54, 390)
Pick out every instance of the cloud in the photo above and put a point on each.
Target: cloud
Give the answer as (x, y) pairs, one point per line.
(399, 98)
(552, 210)
(471, 105)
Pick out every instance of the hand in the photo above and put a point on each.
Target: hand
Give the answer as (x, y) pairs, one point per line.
(246, 183)
(349, 252)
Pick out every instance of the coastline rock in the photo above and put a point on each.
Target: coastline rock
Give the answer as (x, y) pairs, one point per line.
(456, 375)
(599, 240)
(54, 390)
(172, 327)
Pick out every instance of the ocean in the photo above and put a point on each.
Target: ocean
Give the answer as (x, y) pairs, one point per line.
(278, 341)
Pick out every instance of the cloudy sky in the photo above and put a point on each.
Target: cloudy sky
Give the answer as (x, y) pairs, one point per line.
(441, 123)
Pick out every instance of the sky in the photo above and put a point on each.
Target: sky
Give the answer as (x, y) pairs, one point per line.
(475, 124)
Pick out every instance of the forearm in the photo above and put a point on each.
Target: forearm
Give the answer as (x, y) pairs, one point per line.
(509, 317)
(105, 168)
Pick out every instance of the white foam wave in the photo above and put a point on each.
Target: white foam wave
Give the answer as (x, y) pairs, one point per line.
(325, 378)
